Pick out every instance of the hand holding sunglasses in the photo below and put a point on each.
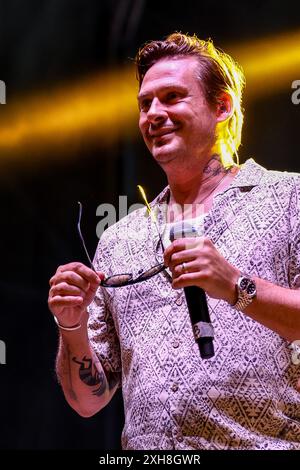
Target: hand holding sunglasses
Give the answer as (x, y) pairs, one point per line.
(124, 279)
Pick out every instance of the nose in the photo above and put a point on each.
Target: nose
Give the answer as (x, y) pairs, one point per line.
(157, 112)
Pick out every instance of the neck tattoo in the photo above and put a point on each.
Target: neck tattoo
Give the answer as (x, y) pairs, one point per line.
(213, 189)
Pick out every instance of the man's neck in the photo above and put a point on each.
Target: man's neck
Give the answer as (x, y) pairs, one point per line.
(190, 189)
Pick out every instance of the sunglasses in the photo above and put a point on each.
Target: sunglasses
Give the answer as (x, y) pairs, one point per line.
(125, 279)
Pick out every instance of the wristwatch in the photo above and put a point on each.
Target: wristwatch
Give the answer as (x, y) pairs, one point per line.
(246, 291)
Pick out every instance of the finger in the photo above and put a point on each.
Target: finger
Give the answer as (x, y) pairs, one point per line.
(177, 246)
(185, 280)
(87, 273)
(65, 301)
(183, 257)
(65, 289)
(101, 275)
(187, 256)
(187, 266)
(72, 278)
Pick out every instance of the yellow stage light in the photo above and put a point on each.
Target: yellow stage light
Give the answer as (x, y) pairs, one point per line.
(103, 108)
(270, 64)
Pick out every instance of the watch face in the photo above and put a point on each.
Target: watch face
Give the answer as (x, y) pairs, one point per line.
(244, 283)
(251, 289)
(248, 286)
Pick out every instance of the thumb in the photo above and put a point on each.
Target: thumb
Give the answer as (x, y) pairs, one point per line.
(90, 294)
(101, 275)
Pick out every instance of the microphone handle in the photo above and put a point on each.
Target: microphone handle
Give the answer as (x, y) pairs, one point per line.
(198, 310)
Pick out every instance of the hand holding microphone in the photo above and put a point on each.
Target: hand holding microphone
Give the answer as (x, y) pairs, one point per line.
(196, 301)
(199, 267)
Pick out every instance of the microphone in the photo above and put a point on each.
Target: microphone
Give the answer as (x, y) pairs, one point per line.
(196, 301)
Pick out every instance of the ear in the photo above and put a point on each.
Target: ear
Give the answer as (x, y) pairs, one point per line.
(224, 107)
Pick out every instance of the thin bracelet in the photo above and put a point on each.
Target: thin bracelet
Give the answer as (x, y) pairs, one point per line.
(66, 328)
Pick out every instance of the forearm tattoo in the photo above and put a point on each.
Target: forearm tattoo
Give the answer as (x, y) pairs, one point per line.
(63, 368)
(89, 374)
(113, 379)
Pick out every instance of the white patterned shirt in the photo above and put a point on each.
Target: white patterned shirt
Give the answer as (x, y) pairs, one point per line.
(244, 397)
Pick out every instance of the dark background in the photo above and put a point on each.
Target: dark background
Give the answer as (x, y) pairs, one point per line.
(49, 42)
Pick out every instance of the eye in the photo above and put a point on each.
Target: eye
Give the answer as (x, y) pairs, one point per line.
(145, 105)
(172, 96)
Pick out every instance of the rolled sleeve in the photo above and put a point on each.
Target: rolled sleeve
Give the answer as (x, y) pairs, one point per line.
(102, 333)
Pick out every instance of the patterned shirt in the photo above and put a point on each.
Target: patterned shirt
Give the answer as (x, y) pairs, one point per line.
(244, 397)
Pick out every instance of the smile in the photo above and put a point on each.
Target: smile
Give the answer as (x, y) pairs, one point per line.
(161, 133)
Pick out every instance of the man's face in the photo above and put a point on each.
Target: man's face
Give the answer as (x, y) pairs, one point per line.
(176, 122)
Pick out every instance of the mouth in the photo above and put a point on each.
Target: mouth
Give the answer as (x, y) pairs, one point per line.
(162, 132)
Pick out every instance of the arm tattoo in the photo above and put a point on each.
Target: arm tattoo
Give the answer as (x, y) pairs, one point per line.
(113, 379)
(90, 375)
(63, 368)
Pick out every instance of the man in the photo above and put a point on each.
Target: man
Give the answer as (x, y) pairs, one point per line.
(139, 336)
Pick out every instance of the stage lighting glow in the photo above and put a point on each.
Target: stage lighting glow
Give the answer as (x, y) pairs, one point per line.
(270, 64)
(103, 108)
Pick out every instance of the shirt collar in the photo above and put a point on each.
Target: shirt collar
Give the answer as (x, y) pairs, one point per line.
(251, 174)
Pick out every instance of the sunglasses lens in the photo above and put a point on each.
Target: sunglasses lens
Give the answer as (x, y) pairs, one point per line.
(151, 272)
(118, 280)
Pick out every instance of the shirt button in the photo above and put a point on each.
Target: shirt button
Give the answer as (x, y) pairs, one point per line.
(174, 388)
(179, 438)
(175, 343)
(179, 301)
